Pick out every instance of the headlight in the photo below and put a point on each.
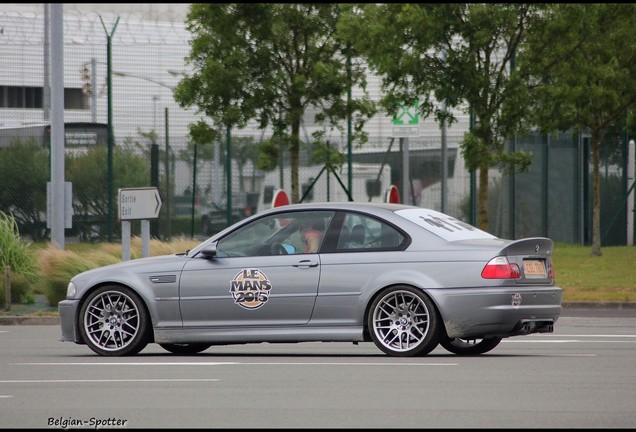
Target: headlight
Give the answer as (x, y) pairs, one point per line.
(71, 290)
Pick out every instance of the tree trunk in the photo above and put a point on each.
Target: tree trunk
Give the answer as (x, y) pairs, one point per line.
(293, 156)
(482, 207)
(295, 116)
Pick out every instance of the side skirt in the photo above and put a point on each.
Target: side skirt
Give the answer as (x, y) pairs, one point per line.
(258, 334)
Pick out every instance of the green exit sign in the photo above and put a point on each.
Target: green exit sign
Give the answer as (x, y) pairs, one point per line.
(408, 115)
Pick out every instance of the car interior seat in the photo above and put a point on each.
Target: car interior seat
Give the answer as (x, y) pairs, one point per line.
(358, 236)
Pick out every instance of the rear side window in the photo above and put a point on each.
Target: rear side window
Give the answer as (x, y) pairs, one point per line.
(360, 232)
(443, 225)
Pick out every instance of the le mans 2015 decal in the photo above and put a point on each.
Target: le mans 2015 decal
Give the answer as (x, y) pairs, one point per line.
(250, 288)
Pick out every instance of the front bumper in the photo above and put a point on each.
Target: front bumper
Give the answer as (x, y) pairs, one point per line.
(501, 312)
(68, 315)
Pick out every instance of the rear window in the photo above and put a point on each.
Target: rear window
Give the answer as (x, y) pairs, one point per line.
(443, 225)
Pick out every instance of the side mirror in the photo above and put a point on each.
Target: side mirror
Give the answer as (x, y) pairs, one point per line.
(209, 251)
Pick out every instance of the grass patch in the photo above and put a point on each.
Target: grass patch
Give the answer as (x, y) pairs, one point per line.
(609, 277)
(57, 266)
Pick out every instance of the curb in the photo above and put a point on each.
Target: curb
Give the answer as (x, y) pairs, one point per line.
(599, 305)
(29, 320)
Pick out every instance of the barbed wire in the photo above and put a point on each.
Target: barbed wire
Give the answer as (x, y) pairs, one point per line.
(86, 28)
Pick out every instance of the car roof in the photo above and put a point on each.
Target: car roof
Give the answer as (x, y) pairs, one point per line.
(371, 207)
(389, 212)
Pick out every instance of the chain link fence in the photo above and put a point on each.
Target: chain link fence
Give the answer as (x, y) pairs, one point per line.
(148, 44)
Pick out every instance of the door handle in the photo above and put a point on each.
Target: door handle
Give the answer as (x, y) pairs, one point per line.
(306, 264)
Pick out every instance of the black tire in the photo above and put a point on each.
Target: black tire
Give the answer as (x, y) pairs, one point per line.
(469, 346)
(113, 322)
(403, 322)
(193, 348)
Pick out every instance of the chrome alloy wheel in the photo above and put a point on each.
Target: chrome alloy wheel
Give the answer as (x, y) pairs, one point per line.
(403, 322)
(112, 320)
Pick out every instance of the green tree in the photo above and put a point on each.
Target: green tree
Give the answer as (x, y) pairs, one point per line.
(244, 150)
(270, 62)
(203, 141)
(14, 253)
(458, 56)
(88, 173)
(583, 60)
(25, 167)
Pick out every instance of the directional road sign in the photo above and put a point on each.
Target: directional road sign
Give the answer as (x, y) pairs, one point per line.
(139, 203)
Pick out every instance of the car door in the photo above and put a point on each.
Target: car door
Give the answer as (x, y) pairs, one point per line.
(364, 250)
(260, 276)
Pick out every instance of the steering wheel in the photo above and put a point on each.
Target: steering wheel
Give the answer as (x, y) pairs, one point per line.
(277, 248)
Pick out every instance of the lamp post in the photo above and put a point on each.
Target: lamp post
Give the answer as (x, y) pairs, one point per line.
(154, 147)
(154, 162)
(111, 138)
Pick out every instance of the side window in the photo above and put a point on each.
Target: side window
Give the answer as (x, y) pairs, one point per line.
(308, 231)
(251, 239)
(361, 232)
(278, 234)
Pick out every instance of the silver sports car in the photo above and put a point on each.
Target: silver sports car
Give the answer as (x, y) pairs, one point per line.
(407, 278)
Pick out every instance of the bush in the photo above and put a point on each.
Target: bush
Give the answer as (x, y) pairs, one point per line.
(58, 267)
(25, 167)
(15, 254)
(21, 289)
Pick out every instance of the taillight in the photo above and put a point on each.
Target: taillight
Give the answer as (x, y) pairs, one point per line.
(500, 268)
(551, 271)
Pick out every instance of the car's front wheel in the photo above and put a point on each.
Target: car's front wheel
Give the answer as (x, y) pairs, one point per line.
(403, 322)
(113, 321)
(469, 346)
(193, 348)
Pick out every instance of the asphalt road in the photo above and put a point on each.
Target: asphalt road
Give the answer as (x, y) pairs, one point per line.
(581, 376)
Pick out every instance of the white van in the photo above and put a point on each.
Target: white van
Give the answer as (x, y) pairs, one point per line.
(317, 184)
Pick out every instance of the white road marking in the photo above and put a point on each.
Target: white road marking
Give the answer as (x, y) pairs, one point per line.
(592, 336)
(103, 381)
(234, 363)
(572, 355)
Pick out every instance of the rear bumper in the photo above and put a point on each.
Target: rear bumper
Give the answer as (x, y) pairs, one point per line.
(68, 312)
(501, 312)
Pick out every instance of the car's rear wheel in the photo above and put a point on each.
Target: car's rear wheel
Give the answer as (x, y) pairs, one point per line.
(461, 346)
(113, 321)
(192, 348)
(403, 322)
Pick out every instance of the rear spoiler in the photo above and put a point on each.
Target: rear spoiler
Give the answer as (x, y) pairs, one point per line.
(533, 246)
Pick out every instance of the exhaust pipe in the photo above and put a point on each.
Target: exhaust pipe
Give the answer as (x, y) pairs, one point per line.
(527, 327)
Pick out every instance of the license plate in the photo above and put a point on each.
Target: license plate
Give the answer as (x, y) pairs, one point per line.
(534, 268)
